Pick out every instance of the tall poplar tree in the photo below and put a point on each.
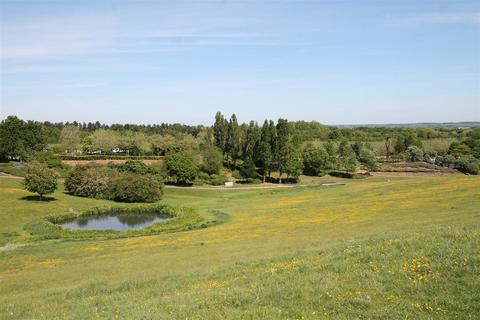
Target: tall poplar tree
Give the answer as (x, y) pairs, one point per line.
(220, 129)
(263, 154)
(283, 147)
(232, 145)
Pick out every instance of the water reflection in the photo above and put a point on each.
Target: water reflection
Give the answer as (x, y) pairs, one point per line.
(119, 222)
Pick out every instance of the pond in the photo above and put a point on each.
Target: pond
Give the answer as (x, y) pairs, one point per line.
(115, 222)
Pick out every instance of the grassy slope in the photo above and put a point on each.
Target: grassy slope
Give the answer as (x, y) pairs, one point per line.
(283, 254)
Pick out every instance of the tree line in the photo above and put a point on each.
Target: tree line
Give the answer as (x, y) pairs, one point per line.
(247, 150)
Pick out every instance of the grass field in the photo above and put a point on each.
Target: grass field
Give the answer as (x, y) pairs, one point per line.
(384, 248)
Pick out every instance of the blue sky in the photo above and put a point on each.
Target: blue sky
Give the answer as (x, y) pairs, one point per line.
(337, 62)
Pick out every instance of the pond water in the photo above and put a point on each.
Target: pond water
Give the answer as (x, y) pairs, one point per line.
(117, 222)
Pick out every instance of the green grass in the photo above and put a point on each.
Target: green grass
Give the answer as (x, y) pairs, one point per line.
(380, 247)
(14, 168)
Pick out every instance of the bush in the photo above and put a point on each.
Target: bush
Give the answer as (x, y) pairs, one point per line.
(468, 164)
(429, 156)
(40, 179)
(135, 187)
(217, 180)
(106, 157)
(136, 166)
(180, 168)
(367, 157)
(446, 161)
(414, 153)
(48, 158)
(347, 175)
(90, 181)
(214, 179)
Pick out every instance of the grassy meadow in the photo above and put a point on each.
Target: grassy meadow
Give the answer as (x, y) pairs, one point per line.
(381, 248)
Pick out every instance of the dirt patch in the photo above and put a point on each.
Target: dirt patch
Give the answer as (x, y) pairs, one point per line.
(73, 163)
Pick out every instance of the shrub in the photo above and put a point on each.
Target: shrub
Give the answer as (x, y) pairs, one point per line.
(136, 166)
(180, 168)
(48, 158)
(40, 179)
(90, 181)
(414, 153)
(468, 164)
(367, 157)
(213, 179)
(445, 161)
(429, 156)
(347, 175)
(217, 180)
(135, 187)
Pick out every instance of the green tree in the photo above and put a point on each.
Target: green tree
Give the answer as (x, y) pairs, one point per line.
(294, 167)
(69, 139)
(458, 149)
(264, 154)
(232, 144)
(212, 159)
(283, 148)
(252, 136)
(180, 168)
(18, 139)
(314, 160)
(163, 144)
(367, 157)
(220, 131)
(248, 169)
(104, 140)
(405, 140)
(347, 158)
(331, 155)
(40, 179)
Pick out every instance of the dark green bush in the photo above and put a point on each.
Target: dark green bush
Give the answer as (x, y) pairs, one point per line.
(347, 175)
(414, 153)
(217, 180)
(91, 181)
(134, 187)
(213, 179)
(367, 157)
(180, 169)
(107, 182)
(468, 164)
